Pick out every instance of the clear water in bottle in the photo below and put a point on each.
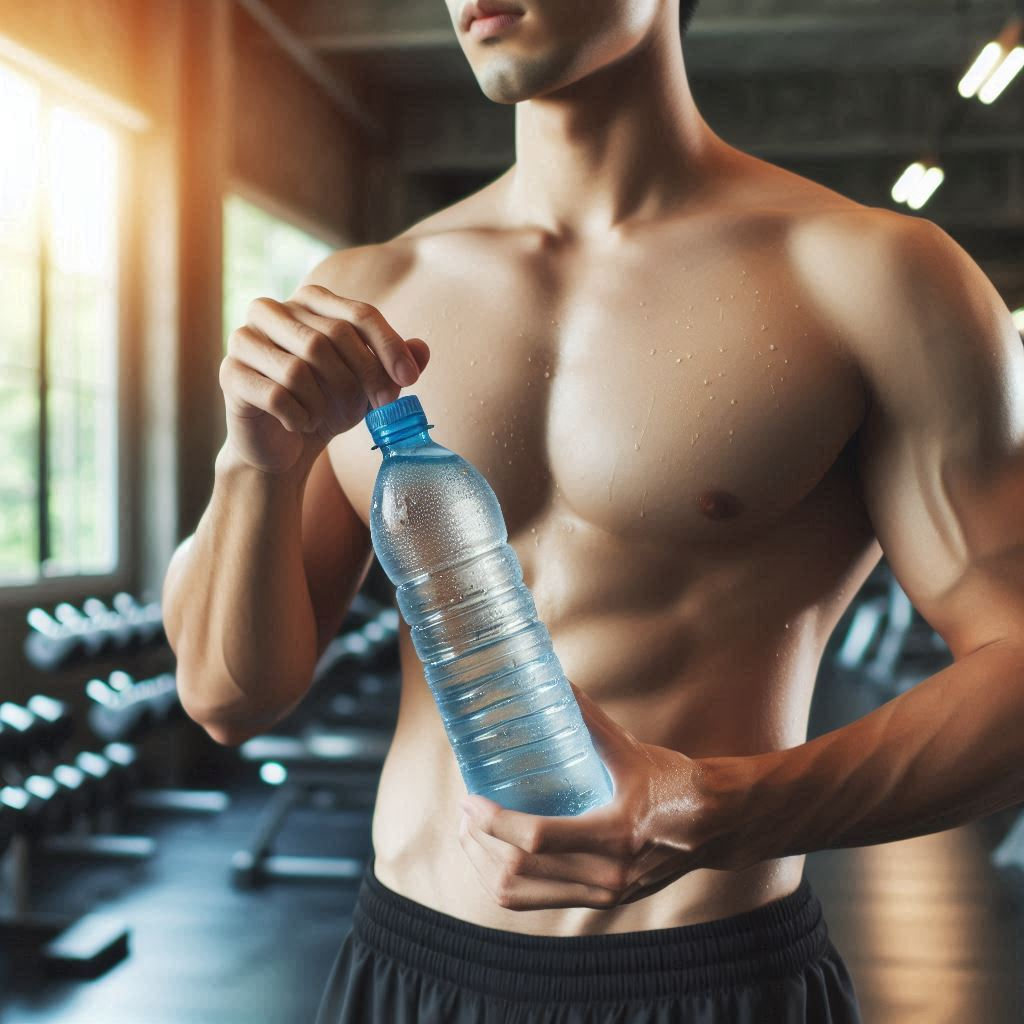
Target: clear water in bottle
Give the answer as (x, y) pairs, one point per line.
(509, 712)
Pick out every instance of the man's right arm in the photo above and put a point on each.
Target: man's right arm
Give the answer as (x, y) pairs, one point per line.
(251, 599)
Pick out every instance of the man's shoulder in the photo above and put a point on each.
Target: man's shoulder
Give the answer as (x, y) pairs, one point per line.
(860, 230)
(365, 272)
(867, 267)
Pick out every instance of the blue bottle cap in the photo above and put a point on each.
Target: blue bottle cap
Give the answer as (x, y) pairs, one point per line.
(397, 417)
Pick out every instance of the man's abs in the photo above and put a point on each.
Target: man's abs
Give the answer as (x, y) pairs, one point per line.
(724, 667)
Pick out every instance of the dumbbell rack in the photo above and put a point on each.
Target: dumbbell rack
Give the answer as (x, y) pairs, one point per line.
(70, 634)
(334, 765)
(124, 709)
(57, 810)
(51, 807)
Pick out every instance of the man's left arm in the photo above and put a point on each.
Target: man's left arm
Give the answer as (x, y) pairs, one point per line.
(941, 464)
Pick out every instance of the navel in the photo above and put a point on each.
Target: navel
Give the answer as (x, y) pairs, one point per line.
(719, 504)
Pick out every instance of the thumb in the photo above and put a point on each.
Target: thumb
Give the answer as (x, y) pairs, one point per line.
(606, 732)
(420, 351)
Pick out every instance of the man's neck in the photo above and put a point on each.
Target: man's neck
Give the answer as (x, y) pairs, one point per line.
(624, 144)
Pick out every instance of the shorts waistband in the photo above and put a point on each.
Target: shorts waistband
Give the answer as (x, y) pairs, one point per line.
(779, 938)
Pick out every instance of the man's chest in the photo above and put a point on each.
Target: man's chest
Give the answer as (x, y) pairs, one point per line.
(656, 396)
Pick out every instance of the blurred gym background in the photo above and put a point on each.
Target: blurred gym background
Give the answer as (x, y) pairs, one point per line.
(163, 162)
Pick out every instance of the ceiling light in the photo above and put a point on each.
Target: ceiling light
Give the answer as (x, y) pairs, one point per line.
(925, 188)
(1002, 76)
(988, 60)
(996, 66)
(917, 184)
(907, 182)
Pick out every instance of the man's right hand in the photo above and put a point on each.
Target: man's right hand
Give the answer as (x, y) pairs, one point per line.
(300, 372)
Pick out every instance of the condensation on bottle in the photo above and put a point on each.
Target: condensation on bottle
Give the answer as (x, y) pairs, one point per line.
(508, 710)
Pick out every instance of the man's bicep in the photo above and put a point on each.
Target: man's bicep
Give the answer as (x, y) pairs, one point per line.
(336, 549)
(941, 454)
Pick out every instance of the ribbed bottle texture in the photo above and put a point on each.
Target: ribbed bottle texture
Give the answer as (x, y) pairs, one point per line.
(508, 710)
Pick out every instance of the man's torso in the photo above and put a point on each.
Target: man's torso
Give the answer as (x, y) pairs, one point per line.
(668, 419)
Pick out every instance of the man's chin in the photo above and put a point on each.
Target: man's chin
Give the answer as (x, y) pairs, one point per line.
(500, 88)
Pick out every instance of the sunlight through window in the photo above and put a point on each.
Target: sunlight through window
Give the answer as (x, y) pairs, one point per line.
(58, 337)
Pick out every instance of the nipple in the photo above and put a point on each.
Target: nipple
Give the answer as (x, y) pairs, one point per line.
(719, 504)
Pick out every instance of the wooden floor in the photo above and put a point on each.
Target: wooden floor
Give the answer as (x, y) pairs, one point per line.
(931, 932)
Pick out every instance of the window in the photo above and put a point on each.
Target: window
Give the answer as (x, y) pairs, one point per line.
(263, 255)
(58, 337)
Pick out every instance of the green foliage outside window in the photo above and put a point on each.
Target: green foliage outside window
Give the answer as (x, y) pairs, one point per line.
(263, 256)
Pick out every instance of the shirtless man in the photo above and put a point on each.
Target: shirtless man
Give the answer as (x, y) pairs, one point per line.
(709, 394)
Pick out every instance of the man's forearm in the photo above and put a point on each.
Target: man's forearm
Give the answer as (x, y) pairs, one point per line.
(948, 751)
(237, 604)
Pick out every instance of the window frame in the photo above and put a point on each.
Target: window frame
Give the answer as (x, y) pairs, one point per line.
(126, 126)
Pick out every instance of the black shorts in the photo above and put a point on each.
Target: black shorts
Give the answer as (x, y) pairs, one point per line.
(405, 963)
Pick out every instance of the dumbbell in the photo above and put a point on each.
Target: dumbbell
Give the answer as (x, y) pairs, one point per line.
(381, 630)
(122, 708)
(147, 620)
(379, 685)
(31, 745)
(37, 734)
(42, 804)
(54, 639)
(50, 643)
(92, 633)
(105, 781)
(31, 738)
(116, 773)
(360, 646)
(119, 631)
(57, 721)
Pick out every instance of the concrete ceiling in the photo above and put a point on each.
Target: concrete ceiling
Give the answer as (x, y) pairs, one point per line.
(410, 43)
(385, 49)
(844, 91)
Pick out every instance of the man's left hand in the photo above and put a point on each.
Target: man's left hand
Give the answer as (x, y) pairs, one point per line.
(662, 822)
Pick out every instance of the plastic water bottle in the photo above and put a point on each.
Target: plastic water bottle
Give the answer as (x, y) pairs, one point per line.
(509, 712)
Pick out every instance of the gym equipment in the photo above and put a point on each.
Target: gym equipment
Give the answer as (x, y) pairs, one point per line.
(888, 645)
(1010, 851)
(32, 742)
(333, 758)
(147, 618)
(256, 863)
(119, 631)
(51, 643)
(33, 820)
(362, 647)
(70, 634)
(123, 709)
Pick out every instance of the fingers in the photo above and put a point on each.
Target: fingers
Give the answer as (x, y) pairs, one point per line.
(598, 871)
(601, 830)
(515, 892)
(356, 362)
(383, 340)
(281, 366)
(252, 390)
(315, 361)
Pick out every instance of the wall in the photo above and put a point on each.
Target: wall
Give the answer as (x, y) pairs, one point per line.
(212, 113)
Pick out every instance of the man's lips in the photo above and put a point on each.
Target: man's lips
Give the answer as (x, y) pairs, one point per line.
(483, 9)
